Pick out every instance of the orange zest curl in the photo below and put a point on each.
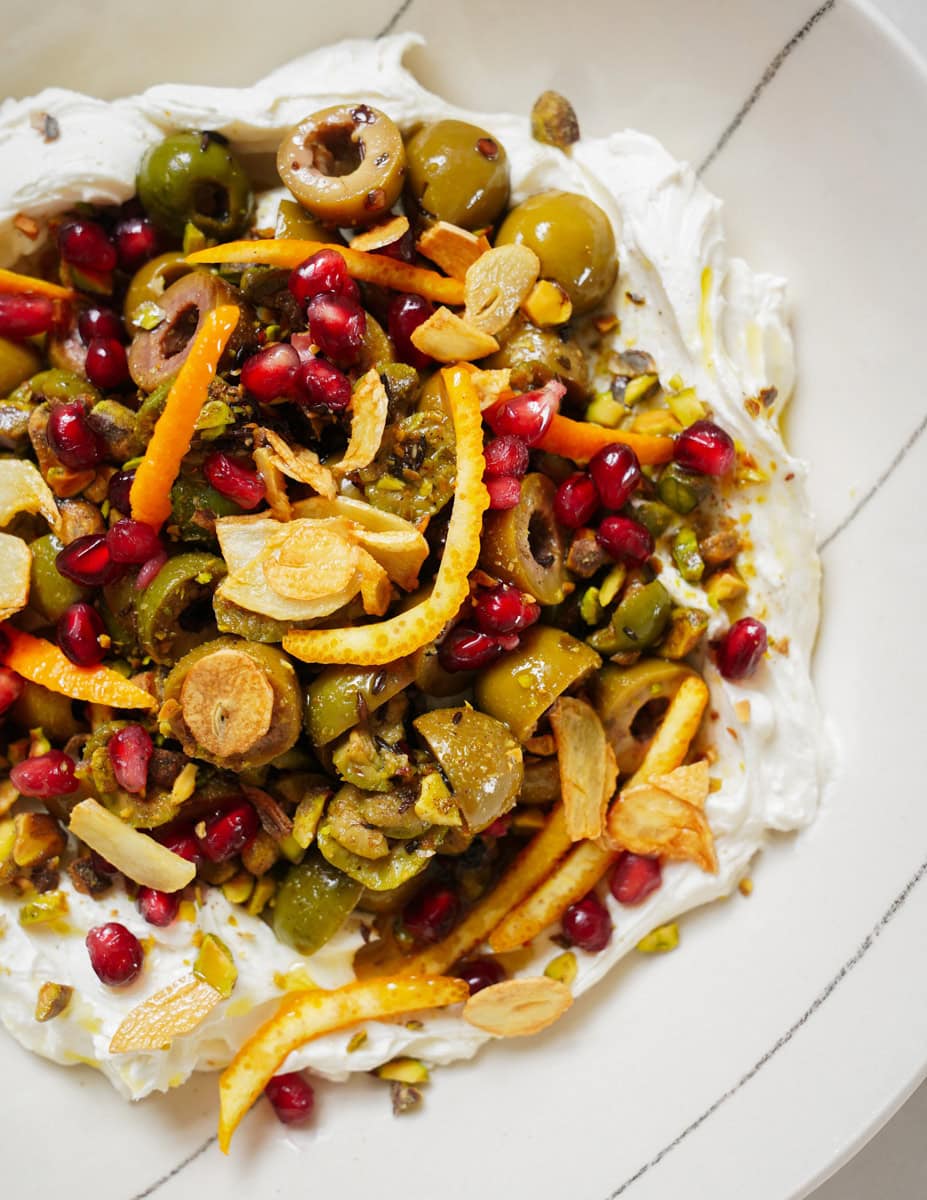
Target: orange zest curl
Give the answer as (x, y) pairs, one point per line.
(13, 282)
(43, 663)
(582, 440)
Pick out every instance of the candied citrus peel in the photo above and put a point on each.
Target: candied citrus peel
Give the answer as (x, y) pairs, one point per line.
(150, 494)
(371, 268)
(581, 440)
(373, 645)
(12, 281)
(43, 663)
(304, 1016)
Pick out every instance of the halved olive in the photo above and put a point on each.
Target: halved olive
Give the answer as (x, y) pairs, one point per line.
(344, 164)
(637, 623)
(524, 545)
(312, 903)
(630, 702)
(403, 862)
(341, 697)
(458, 173)
(535, 356)
(50, 594)
(148, 285)
(173, 611)
(192, 178)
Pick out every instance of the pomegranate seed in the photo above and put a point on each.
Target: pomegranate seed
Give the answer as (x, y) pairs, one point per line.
(499, 828)
(740, 650)
(229, 831)
(480, 973)
(87, 561)
(115, 953)
(431, 915)
(99, 322)
(506, 455)
(324, 271)
(133, 542)
(158, 908)
(575, 501)
(704, 447)
(25, 316)
(72, 438)
(504, 492)
(130, 750)
(182, 840)
(405, 314)
(528, 416)
(504, 609)
(467, 650)
(149, 570)
(338, 325)
(292, 1098)
(304, 346)
(623, 538)
(85, 244)
(11, 688)
(120, 485)
(106, 365)
(79, 630)
(403, 249)
(324, 386)
(234, 480)
(616, 473)
(587, 924)
(45, 776)
(272, 373)
(634, 877)
(136, 241)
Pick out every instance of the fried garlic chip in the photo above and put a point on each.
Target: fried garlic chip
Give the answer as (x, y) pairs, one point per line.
(382, 233)
(395, 543)
(497, 284)
(170, 1013)
(452, 248)
(15, 566)
(22, 489)
(588, 772)
(645, 819)
(302, 464)
(518, 1007)
(369, 410)
(449, 338)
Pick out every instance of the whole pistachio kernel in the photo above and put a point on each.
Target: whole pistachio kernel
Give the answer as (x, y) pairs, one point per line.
(52, 1000)
(660, 940)
(554, 121)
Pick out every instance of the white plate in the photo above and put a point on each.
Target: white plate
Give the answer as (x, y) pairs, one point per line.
(788, 1026)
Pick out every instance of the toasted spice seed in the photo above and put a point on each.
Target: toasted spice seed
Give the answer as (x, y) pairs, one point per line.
(488, 148)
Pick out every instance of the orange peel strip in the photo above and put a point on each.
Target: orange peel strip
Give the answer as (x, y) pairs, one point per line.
(373, 645)
(304, 1016)
(150, 494)
(43, 663)
(12, 281)
(582, 440)
(371, 268)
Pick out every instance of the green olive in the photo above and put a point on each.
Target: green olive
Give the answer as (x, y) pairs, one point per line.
(630, 699)
(519, 688)
(390, 902)
(117, 426)
(195, 506)
(148, 285)
(574, 240)
(57, 384)
(294, 222)
(682, 490)
(377, 349)
(402, 863)
(194, 178)
(341, 697)
(480, 759)
(170, 618)
(524, 545)
(458, 173)
(18, 360)
(344, 164)
(253, 627)
(49, 592)
(312, 903)
(534, 356)
(637, 623)
(38, 708)
(14, 422)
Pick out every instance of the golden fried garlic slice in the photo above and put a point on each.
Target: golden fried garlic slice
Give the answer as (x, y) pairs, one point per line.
(15, 567)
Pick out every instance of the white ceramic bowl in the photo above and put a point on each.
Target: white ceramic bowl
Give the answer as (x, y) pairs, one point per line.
(755, 1059)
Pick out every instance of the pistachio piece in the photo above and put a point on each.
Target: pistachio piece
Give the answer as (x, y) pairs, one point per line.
(214, 965)
(547, 304)
(497, 284)
(42, 910)
(52, 1000)
(404, 1097)
(404, 1070)
(562, 968)
(38, 838)
(554, 121)
(660, 940)
(227, 702)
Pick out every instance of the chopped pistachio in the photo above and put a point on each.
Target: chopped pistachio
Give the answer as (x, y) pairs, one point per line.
(39, 837)
(612, 584)
(435, 804)
(547, 304)
(404, 1070)
(307, 816)
(639, 388)
(215, 417)
(404, 1097)
(43, 909)
(238, 889)
(723, 587)
(676, 383)
(357, 1041)
(660, 940)
(657, 422)
(214, 964)
(8, 796)
(7, 838)
(686, 406)
(687, 627)
(605, 410)
(193, 239)
(686, 555)
(263, 891)
(52, 1000)
(562, 968)
(590, 607)
(746, 886)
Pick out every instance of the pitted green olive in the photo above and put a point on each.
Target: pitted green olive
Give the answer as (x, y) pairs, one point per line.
(50, 594)
(625, 697)
(341, 697)
(148, 285)
(312, 903)
(458, 173)
(402, 863)
(535, 356)
(170, 611)
(192, 178)
(524, 545)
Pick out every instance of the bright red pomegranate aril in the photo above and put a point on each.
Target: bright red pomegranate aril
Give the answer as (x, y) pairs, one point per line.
(623, 538)
(115, 953)
(118, 492)
(87, 561)
(324, 271)
(272, 373)
(338, 325)
(158, 908)
(504, 491)
(480, 973)
(79, 630)
(133, 542)
(634, 877)
(403, 249)
(575, 501)
(587, 924)
(24, 316)
(230, 478)
(405, 314)
(71, 437)
(292, 1098)
(506, 455)
(98, 322)
(136, 241)
(505, 609)
(229, 831)
(615, 472)
(130, 750)
(467, 649)
(106, 365)
(183, 841)
(149, 570)
(45, 776)
(741, 650)
(11, 688)
(704, 447)
(324, 386)
(431, 915)
(85, 244)
(528, 416)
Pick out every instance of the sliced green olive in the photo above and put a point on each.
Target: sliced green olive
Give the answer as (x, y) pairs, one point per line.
(195, 506)
(18, 360)
(192, 178)
(519, 688)
(341, 697)
(637, 623)
(459, 173)
(174, 609)
(56, 384)
(403, 862)
(294, 222)
(253, 627)
(38, 708)
(50, 594)
(630, 701)
(524, 545)
(312, 903)
(142, 308)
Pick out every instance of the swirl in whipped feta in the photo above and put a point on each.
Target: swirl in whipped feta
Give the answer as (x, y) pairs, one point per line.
(708, 319)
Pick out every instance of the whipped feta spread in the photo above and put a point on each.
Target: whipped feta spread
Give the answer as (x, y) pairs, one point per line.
(707, 318)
